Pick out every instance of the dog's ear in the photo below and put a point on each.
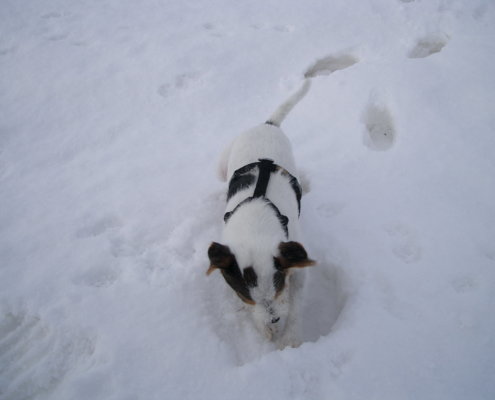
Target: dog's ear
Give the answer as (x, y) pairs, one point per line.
(293, 255)
(220, 257)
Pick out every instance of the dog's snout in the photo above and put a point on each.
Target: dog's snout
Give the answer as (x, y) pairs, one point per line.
(275, 320)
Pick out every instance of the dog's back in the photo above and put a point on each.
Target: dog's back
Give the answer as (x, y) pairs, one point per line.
(263, 141)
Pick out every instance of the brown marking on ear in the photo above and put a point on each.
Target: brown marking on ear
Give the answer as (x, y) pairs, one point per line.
(211, 269)
(293, 255)
(220, 257)
(307, 263)
(235, 280)
(245, 299)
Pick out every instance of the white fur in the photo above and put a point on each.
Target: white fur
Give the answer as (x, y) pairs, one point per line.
(253, 233)
(279, 115)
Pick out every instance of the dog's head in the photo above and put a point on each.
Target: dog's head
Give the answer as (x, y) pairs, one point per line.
(261, 280)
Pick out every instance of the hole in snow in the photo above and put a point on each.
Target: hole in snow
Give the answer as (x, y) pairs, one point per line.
(324, 301)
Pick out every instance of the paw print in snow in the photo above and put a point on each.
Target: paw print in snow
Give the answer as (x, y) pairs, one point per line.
(404, 243)
(428, 45)
(380, 131)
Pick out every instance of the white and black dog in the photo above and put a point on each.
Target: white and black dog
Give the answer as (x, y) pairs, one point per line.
(261, 256)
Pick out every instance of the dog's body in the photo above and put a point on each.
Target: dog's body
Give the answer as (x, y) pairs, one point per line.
(261, 252)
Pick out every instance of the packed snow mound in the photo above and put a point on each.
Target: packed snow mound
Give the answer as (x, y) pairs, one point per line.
(112, 116)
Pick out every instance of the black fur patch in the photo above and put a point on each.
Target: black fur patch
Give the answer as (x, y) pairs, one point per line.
(250, 277)
(236, 281)
(293, 254)
(240, 182)
(221, 258)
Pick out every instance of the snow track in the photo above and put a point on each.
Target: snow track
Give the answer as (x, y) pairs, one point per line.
(35, 357)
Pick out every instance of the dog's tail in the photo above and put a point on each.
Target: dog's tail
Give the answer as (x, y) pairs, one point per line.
(279, 115)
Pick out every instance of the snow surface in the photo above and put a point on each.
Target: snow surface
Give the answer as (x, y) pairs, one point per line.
(112, 116)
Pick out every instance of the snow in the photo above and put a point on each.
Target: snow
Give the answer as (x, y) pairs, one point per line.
(112, 116)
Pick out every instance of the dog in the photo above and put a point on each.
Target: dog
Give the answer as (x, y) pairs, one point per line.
(261, 256)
